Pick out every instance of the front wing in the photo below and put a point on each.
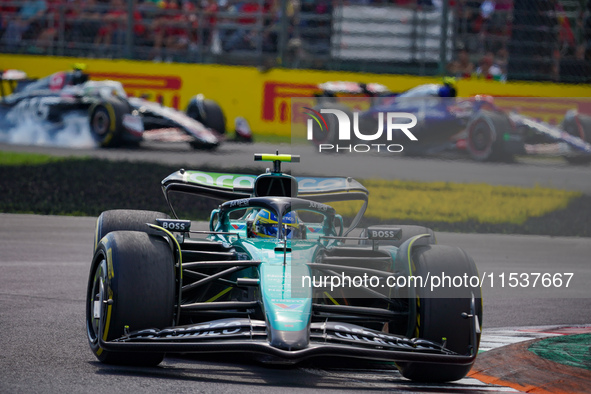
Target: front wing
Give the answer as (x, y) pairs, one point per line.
(553, 133)
(326, 339)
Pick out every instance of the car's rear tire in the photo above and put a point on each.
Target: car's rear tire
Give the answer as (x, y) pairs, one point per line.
(133, 274)
(210, 114)
(439, 315)
(485, 136)
(106, 121)
(125, 220)
(579, 126)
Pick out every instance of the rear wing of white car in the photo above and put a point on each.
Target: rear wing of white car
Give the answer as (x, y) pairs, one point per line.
(11, 78)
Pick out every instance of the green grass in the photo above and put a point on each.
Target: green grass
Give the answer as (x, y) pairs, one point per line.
(455, 203)
(42, 184)
(23, 158)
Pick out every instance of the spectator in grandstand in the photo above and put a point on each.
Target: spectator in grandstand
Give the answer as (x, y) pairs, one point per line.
(244, 34)
(484, 25)
(113, 24)
(462, 66)
(8, 10)
(161, 15)
(470, 23)
(113, 30)
(498, 25)
(25, 25)
(56, 9)
(491, 26)
(502, 59)
(209, 10)
(489, 70)
(32, 12)
(176, 31)
(272, 24)
(49, 29)
(84, 19)
(272, 31)
(315, 29)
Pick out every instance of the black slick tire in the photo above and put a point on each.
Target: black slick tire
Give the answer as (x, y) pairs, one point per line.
(439, 315)
(131, 287)
(126, 220)
(485, 136)
(210, 114)
(578, 126)
(106, 121)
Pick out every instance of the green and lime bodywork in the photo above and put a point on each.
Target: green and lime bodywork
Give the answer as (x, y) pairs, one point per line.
(288, 315)
(242, 289)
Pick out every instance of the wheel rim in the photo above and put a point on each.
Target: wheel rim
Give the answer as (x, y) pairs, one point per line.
(480, 137)
(100, 122)
(96, 306)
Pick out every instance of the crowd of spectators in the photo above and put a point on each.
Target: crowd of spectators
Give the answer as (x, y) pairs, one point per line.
(551, 41)
(162, 29)
(544, 40)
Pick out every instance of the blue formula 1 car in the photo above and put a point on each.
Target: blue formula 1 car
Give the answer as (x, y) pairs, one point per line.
(277, 274)
(475, 125)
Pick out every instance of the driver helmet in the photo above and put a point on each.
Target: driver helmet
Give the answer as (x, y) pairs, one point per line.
(79, 77)
(448, 88)
(266, 225)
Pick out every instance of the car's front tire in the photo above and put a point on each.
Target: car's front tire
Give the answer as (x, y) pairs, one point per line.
(131, 286)
(439, 312)
(579, 126)
(207, 112)
(125, 220)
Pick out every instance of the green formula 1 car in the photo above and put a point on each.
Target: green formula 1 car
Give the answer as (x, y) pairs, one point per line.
(279, 274)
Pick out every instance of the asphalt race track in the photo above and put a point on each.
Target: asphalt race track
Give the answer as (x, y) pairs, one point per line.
(44, 264)
(528, 171)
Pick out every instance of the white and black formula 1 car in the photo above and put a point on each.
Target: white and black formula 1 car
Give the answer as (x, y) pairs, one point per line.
(114, 118)
(263, 279)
